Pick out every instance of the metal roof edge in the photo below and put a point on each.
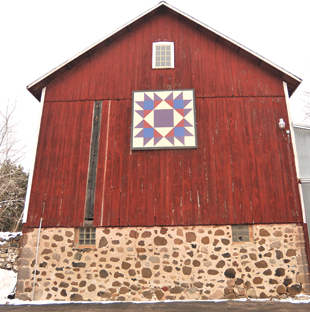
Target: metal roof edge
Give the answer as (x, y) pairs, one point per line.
(235, 43)
(93, 45)
(301, 126)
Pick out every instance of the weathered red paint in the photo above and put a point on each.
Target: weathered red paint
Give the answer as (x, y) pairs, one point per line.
(59, 181)
(242, 172)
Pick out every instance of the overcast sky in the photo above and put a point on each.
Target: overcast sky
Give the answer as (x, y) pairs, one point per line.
(37, 36)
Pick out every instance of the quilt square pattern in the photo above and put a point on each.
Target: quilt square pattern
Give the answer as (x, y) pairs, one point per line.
(163, 119)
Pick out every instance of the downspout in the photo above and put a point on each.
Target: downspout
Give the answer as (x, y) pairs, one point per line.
(35, 266)
(306, 264)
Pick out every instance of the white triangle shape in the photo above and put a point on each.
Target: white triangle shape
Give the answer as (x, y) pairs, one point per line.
(163, 143)
(176, 117)
(137, 119)
(150, 143)
(163, 105)
(150, 118)
(164, 130)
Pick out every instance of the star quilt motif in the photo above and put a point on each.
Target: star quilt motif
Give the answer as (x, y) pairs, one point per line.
(163, 119)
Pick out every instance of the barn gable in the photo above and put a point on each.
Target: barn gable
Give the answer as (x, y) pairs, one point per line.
(292, 81)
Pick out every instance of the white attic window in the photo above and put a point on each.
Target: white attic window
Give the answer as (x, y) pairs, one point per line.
(163, 55)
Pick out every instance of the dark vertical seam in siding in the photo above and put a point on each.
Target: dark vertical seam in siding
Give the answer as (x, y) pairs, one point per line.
(93, 160)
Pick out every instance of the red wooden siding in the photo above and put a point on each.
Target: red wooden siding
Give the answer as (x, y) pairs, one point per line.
(242, 172)
(59, 181)
(200, 63)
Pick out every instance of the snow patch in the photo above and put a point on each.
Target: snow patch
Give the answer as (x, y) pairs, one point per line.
(8, 282)
(298, 299)
(4, 236)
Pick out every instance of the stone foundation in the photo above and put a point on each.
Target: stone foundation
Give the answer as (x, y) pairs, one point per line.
(9, 251)
(164, 263)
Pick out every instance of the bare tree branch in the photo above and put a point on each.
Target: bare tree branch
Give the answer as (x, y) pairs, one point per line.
(13, 179)
(9, 145)
(306, 100)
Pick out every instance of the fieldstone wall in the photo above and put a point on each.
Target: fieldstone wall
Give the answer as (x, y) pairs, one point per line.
(164, 263)
(9, 251)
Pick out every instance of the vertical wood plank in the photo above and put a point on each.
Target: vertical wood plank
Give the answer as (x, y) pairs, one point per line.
(93, 160)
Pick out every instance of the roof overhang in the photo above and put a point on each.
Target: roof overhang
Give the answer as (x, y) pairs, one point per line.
(292, 81)
(301, 126)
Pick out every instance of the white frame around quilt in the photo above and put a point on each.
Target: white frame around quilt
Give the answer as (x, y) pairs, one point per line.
(164, 119)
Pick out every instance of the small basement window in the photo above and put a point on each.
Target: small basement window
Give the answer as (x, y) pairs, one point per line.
(163, 55)
(86, 236)
(242, 233)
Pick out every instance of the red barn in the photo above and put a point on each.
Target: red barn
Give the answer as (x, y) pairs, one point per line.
(164, 170)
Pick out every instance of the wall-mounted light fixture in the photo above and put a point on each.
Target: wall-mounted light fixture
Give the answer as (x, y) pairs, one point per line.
(281, 124)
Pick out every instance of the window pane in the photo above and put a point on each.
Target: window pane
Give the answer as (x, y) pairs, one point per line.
(240, 233)
(162, 55)
(87, 236)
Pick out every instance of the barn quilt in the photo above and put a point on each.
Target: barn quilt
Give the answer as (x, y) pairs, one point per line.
(163, 119)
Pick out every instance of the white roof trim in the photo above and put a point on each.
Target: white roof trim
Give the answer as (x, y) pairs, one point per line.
(182, 13)
(235, 43)
(301, 126)
(93, 45)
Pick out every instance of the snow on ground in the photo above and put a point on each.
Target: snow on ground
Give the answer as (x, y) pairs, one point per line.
(4, 236)
(298, 299)
(7, 283)
(7, 277)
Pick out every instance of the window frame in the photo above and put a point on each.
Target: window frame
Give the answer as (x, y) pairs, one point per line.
(160, 43)
(92, 237)
(250, 233)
